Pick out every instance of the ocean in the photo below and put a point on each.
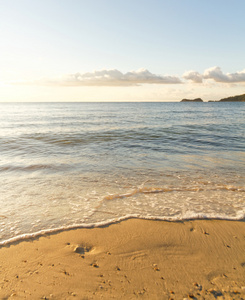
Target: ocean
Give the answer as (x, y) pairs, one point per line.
(69, 165)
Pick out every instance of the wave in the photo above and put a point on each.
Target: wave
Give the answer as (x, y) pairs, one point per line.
(188, 216)
(33, 167)
(154, 190)
(157, 135)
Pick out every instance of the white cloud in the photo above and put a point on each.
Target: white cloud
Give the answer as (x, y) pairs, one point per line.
(193, 76)
(217, 75)
(117, 78)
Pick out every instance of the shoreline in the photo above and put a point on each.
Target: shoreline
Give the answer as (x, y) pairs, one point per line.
(51, 231)
(152, 259)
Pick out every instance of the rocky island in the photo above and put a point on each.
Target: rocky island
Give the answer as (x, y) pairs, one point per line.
(190, 100)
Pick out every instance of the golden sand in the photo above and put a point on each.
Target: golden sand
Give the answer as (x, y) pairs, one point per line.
(201, 259)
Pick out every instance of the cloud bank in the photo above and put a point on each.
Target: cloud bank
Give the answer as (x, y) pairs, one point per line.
(135, 78)
(114, 78)
(216, 74)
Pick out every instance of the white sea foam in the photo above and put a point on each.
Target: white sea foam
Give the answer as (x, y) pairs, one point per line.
(189, 216)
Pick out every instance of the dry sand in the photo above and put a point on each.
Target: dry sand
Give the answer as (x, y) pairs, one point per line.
(201, 259)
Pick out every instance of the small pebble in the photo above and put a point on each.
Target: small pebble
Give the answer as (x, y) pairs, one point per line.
(95, 265)
(191, 296)
(197, 286)
(236, 292)
(156, 268)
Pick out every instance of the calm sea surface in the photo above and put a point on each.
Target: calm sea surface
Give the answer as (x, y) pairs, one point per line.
(64, 165)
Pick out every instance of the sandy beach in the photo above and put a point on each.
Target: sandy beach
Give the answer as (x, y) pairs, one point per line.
(200, 259)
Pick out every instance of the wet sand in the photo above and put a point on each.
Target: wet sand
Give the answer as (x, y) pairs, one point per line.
(200, 259)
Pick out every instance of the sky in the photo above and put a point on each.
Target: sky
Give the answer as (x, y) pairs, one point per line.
(121, 50)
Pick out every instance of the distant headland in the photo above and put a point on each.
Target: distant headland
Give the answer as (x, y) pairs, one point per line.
(239, 98)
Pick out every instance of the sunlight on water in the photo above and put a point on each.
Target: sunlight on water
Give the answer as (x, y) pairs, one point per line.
(79, 164)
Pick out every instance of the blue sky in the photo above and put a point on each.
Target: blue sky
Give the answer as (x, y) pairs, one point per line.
(65, 50)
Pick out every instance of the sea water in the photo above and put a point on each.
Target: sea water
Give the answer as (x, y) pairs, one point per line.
(68, 165)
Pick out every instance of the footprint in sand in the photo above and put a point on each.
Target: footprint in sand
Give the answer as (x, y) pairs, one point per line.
(84, 249)
(81, 249)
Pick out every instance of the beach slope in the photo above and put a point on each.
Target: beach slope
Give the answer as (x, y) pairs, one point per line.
(199, 259)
